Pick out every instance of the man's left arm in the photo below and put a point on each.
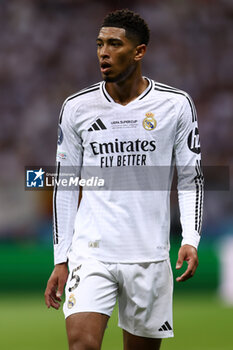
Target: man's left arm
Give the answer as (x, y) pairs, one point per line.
(190, 186)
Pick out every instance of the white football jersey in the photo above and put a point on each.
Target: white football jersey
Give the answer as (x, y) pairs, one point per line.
(132, 151)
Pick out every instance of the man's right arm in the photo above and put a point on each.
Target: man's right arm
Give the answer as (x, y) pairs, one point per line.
(55, 285)
(65, 202)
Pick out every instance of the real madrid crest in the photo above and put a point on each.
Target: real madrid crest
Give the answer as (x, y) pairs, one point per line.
(149, 123)
(71, 301)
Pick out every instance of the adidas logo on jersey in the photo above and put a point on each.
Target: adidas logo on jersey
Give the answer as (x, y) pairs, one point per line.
(165, 327)
(98, 125)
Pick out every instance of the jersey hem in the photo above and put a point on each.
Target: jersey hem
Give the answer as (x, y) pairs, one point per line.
(117, 261)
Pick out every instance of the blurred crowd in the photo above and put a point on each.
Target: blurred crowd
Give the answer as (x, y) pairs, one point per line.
(48, 51)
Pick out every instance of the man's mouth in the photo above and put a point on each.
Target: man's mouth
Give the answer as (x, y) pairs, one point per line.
(105, 67)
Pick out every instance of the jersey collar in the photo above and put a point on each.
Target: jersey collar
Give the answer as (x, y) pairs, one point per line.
(140, 97)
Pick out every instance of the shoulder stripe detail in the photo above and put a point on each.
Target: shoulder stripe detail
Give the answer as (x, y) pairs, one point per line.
(82, 93)
(74, 96)
(166, 86)
(159, 87)
(90, 87)
(55, 228)
(83, 90)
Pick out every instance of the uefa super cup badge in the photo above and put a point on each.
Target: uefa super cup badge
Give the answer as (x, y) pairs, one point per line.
(149, 123)
(71, 301)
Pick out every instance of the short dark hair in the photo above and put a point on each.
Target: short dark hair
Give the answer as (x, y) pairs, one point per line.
(135, 26)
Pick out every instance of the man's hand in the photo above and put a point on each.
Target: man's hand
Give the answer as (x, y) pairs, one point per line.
(56, 285)
(187, 253)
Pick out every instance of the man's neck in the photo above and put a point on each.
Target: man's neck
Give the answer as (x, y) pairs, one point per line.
(128, 90)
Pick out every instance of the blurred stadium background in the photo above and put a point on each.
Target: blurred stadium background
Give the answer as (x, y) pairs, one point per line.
(48, 52)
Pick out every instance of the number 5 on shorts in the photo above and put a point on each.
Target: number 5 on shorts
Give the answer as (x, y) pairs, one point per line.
(76, 277)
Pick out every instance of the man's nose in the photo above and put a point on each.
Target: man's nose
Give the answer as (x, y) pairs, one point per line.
(104, 51)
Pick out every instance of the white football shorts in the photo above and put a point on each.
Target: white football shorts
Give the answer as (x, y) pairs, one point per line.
(143, 290)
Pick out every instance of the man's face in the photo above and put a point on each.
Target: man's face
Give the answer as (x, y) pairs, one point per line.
(115, 53)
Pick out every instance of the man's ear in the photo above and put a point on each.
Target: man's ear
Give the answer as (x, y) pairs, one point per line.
(140, 52)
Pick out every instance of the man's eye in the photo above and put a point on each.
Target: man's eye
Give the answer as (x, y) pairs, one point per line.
(99, 44)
